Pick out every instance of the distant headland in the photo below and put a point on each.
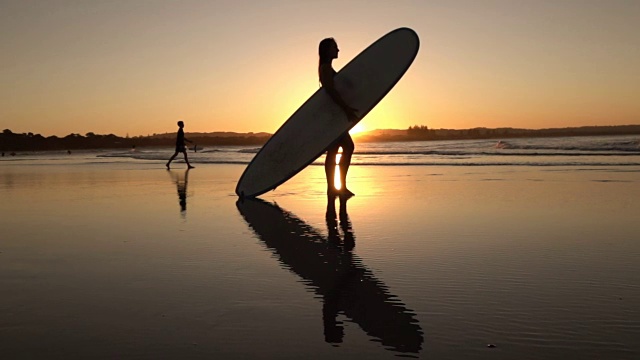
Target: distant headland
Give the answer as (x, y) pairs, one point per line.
(10, 141)
(422, 133)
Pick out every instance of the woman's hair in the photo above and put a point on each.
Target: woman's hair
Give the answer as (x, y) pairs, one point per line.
(323, 50)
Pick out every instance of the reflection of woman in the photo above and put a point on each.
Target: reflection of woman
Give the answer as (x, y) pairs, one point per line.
(327, 51)
(331, 270)
(348, 241)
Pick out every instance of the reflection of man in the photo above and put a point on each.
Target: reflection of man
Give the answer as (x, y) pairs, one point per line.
(181, 185)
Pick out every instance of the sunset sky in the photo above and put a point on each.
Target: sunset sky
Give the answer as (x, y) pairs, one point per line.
(136, 67)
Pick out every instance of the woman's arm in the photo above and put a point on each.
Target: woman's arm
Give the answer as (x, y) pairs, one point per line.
(326, 79)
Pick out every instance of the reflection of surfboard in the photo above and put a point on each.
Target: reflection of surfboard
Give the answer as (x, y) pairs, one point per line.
(333, 272)
(362, 83)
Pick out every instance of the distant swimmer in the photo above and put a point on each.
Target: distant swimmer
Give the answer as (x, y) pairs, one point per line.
(180, 146)
(327, 51)
(501, 145)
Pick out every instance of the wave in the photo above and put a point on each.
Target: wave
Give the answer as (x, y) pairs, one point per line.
(621, 151)
(249, 151)
(164, 155)
(602, 147)
(222, 150)
(436, 162)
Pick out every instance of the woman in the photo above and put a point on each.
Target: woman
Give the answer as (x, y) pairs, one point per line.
(327, 51)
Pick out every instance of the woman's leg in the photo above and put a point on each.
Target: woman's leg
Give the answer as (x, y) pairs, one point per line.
(330, 169)
(348, 147)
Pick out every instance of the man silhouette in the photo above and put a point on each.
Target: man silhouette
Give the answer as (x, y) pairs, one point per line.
(180, 146)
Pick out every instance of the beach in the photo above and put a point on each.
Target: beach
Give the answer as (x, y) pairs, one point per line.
(117, 257)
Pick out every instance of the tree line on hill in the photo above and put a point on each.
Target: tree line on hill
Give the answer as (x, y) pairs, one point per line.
(423, 133)
(10, 141)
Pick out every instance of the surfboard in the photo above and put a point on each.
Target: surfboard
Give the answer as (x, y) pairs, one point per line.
(311, 129)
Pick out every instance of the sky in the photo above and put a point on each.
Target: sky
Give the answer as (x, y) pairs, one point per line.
(136, 67)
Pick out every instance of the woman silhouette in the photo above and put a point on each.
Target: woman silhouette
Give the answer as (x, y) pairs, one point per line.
(327, 51)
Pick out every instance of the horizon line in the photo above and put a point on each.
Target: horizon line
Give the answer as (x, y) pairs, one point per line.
(356, 134)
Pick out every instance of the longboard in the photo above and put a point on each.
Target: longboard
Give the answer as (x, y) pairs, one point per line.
(307, 134)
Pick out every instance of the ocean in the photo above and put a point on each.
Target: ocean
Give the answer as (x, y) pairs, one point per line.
(565, 151)
(558, 151)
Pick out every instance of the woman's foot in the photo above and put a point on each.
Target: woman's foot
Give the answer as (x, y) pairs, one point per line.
(190, 167)
(346, 192)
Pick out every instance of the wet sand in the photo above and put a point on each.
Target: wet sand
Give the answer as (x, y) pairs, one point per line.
(127, 260)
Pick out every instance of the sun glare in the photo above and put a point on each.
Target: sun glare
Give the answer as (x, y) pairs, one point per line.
(357, 129)
(336, 178)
